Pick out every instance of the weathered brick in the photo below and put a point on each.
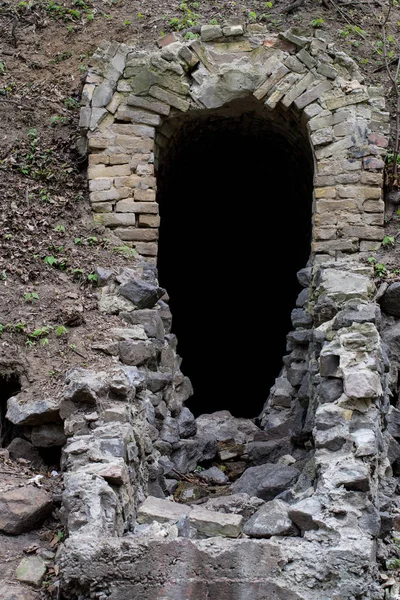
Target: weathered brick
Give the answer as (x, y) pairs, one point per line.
(120, 159)
(325, 219)
(373, 163)
(324, 180)
(137, 207)
(336, 205)
(322, 136)
(144, 131)
(324, 233)
(149, 104)
(344, 178)
(298, 89)
(366, 246)
(116, 219)
(372, 178)
(138, 116)
(322, 120)
(170, 98)
(374, 206)
(146, 182)
(363, 232)
(325, 192)
(306, 58)
(98, 159)
(97, 171)
(294, 64)
(137, 144)
(327, 70)
(374, 218)
(102, 207)
(355, 191)
(99, 185)
(131, 181)
(273, 79)
(140, 159)
(312, 110)
(147, 248)
(334, 148)
(145, 169)
(379, 140)
(280, 90)
(114, 103)
(353, 98)
(343, 245)
(112, 194)
(145, 195)
(312, 94)
(149, 221)
(137, 235)
(98, 143)
(342, 129)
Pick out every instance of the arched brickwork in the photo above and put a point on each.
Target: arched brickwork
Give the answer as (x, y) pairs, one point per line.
(133, 99)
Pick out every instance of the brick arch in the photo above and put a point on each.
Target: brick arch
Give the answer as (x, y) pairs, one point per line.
(131, 97)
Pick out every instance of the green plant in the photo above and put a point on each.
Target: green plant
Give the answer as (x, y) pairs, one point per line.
(71, 103)
(8, 236)
(93, 277)
(60, 228)
(317, 23)
(61, 330)
(189, 35)
(388, 241)
(127, 22)
(31, 297)
(77, 241)
(252, 16)
(50, 260)
(393, 564)
(2, 68)
(188, 18)
(92, 240)
(268, 4)
(57, 120)
(126, 251)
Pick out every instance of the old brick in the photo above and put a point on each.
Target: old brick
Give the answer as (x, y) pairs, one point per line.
(280, 90)
(137, 235)
(320, 121)
(363, 232)
(344, 245)
(345, 178)
(137, 144)
(114, 103)
(355, 191)
(149, 221)
(334, 148)
(353, 98)
(294, 64)
(374, 206)
(372, 163)
(135, 129)
(298, 89)
(138, 116)
(97, 171)
(306, 58)
(116, 219)
(336, 205)
(324, 233)
(328, 219)
(327, 70)
(312, 94)
(98, 143)
(325, 192)
(131, 181)
(367, 246)
(145, 195)
(324, 180)
(369, 178)
(378, 140)
(137, 207)
(322, 136)
(119, 159)
(342, 129)
(112, 194)
(273, 79)
(102, 207)
(101, 184)
(98, 159)
(150, 104)
(374, 218)
(145, 169)
(170, 98)
(147, 248)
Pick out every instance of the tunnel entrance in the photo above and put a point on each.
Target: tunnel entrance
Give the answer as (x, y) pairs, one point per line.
(235, 197)
(9, 386)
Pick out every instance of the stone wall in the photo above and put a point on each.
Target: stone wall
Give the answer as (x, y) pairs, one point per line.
(134, 101)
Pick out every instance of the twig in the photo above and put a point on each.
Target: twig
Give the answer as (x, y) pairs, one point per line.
(346, 18)
(292, 6)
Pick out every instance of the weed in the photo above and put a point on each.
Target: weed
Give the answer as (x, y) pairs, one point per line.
(50, 260)
(71, 103)
(93, 277)
(92, 240)
(188, 19)
(61, 330)
(127, 22)
(31, 297)
(57, 120)
(126, 251)
(252, 16)
(317, 23)
(59, 228)
(388, 241)
(78, 241)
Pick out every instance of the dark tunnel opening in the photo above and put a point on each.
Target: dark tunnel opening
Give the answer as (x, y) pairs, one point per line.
(9, 386)
(235, 196)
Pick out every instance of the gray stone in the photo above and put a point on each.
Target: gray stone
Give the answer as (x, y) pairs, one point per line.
(103, 93)
(16, 592)
(140, 293)
(32, 412)
(393, 421)
(390, 300)
(324, 310)
(187, 423)
(296, 372)
(266, 481)
(306, 514)
(210, 32)
(162, 511)
(31, 570)
(85, 386)
(212, 524)
(271, 519)
(361, 383)
(189, 453)
(303, 298)
(170, 431)
(20, 448)
(282, 393)
(345, 285)
(136, 353)
(330, 389)
(23, 509)
(223, 426)
(103, 275)
(301, 318)
(149, 319)
(214, 476)
(359, 313)
(238, 504)
(50, 434)
(260, 453)
(304, 276)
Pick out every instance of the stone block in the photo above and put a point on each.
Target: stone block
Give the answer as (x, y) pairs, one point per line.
(101, 184)
(312, 94)
(100, 171)
(369, 178)
(363, 192)
(325, 233)
(135, 144)
(273, 79)
(325, 192)
(346, 178)
(146, 248)
(138, 116)
(31, 570)
(325, 206)
(233, 30)
(306, 58)
(149, 104)
(342, 245)
(112, 194)
(134, 129)
(149, 221)
(150, 208)
(137, 235)
(23, 509)
(144, 195)
(120, 159)
(136, 353)
(97, 143)
(98, 159)
(298, 89)
(372, 163)
(210, 32)
(131, 181)
(115, 219)
(327, 70)
(162, 511)
(361, 383)
(374, 206)
(346, 100)
(336, 148)
(320, 121)
(211, 524)
(364, 232)
(294, 64)
(322, 136)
